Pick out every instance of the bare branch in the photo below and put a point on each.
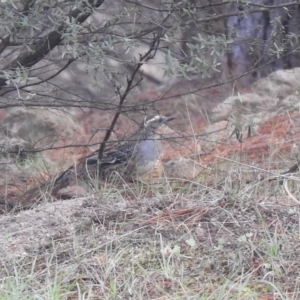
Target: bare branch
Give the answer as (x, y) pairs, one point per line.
(41, 49)
(143, 58)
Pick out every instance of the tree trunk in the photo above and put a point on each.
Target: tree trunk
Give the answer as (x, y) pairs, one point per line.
(263, 41)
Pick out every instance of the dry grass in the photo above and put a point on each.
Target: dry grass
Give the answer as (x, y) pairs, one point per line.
(228, 233)
(223, 239)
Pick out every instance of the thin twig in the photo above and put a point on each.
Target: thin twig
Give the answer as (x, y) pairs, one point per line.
(150, 54)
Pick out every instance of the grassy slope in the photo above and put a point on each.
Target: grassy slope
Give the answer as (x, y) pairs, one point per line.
(230, 234)
(228, 241)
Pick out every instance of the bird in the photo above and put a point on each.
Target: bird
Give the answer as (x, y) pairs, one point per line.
(134, 156)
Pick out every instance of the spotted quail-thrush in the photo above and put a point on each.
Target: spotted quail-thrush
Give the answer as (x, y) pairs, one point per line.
(133, 157)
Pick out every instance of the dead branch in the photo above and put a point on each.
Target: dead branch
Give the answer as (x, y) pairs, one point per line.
(150, 54)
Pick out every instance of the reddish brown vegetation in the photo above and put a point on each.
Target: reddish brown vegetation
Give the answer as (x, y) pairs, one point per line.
(192, 103)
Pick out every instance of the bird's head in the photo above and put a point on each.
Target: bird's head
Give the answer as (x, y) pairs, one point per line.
(157, 122)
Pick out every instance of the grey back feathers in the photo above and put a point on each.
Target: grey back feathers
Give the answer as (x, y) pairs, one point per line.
(134, 156)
